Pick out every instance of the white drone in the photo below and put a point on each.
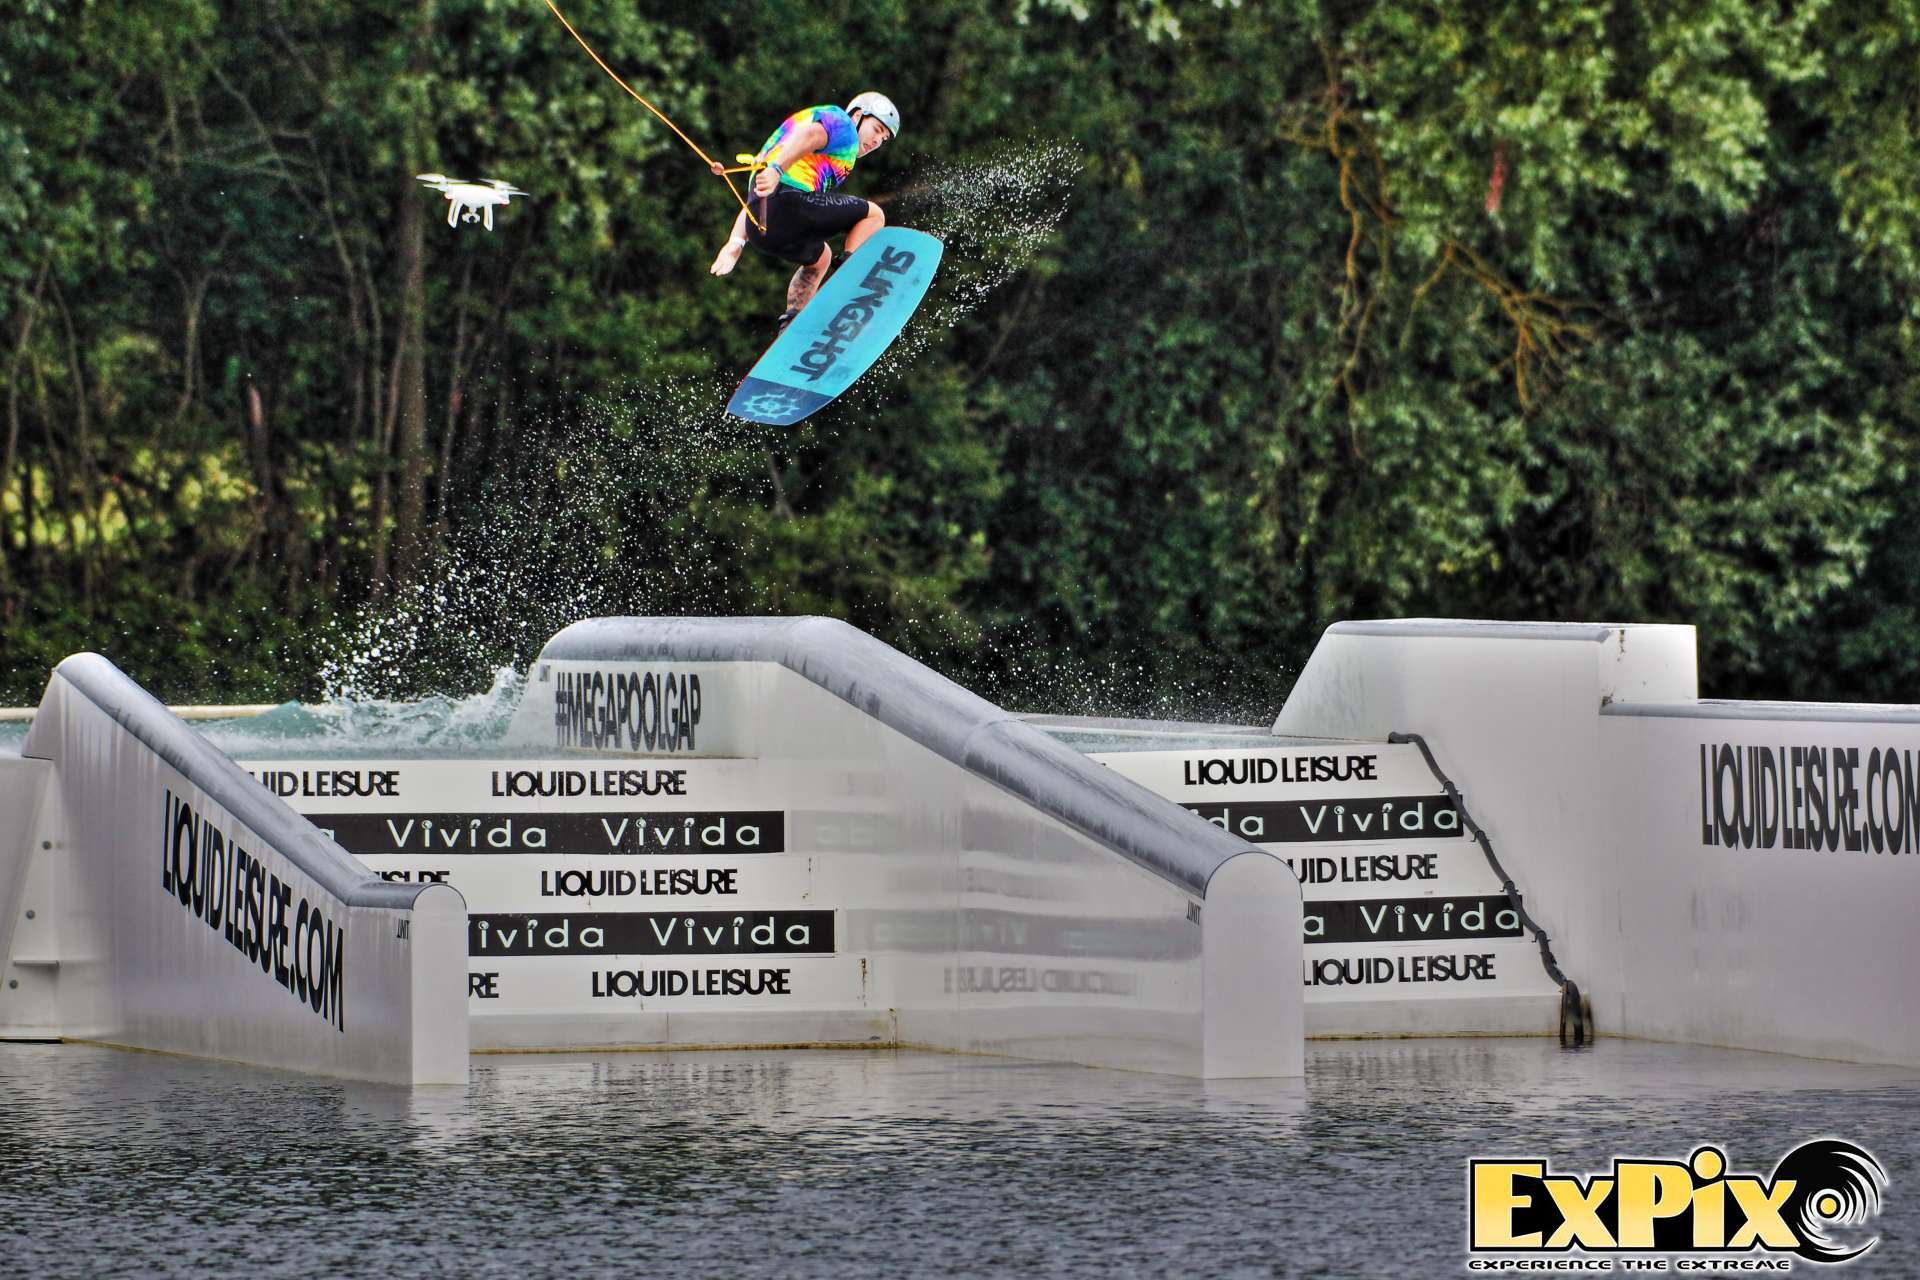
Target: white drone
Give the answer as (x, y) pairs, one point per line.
(474, 200)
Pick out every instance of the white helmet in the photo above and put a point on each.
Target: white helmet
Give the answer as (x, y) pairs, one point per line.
(880, 107)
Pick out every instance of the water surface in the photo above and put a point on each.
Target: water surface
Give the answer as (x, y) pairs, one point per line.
(835, 1164)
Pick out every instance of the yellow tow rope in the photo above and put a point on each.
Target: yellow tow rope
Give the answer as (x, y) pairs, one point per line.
(752, 165)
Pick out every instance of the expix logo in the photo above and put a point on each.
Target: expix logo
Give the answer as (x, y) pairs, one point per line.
(1677, 1207)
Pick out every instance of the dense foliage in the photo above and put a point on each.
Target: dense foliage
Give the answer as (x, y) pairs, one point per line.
(1600, 309)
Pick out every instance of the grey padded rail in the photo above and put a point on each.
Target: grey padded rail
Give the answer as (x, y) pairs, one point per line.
(1162, 728)
(231, 787)
(1464, 628)
(1728, 709)
(938, 714)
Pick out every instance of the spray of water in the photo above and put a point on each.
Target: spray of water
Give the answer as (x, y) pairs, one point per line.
(591, 522)
(1016, 669)
(993, 214)
(375, 727)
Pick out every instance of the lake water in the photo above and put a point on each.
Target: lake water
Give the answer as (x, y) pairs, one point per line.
(874, 1163)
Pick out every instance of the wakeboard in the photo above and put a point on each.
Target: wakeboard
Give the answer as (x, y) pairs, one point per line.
(838, 335)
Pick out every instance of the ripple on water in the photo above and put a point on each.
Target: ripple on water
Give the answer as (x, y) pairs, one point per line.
(830, 1164)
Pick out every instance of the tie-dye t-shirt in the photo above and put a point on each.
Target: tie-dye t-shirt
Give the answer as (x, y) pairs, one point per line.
(825, 169)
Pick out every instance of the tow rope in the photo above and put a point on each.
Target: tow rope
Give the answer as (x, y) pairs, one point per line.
(663, 117)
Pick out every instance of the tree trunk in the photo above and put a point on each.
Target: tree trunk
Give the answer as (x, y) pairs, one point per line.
(411, 454)
(410, 533)
(410, 439)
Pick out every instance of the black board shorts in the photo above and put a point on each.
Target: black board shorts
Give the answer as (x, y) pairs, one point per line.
(799, 222)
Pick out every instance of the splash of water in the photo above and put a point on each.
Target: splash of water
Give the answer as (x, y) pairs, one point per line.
(575, 531)
(993, 214)
(372, 726)
(1016, 670)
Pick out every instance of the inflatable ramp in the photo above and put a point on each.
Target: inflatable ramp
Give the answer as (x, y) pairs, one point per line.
(153, 896)
(784, 833)
(768, 831)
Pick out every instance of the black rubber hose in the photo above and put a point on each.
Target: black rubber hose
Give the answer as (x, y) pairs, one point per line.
(1574, 1028)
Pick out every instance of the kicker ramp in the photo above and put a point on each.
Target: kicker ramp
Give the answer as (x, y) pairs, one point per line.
(162, 899)
(1742, 874)
(963, 881)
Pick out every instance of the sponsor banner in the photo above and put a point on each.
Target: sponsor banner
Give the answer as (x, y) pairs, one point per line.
(1325, 820)
(846, 829)
(663, 709)
(990, 976)
(567, 785)
(616, 984)
(531, 885)
(1441, 970)
(990, 933)
(1411, 919)
(665, 833)
(1270, 773)
(1416, 874)
(742, 932)
(325, 783)
(1417, 871)
(620, 709)
(296, 939)
(1819, 798)
(985, 879)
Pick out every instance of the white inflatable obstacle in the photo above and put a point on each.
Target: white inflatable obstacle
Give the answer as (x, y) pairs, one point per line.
(1727, 873)
(783, 832)
(156, 897)
(758, 832)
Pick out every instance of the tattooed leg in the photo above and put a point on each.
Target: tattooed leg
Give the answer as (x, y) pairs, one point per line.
(806, 281)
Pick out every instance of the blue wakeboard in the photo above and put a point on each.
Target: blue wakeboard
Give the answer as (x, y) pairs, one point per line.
(847, 326)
